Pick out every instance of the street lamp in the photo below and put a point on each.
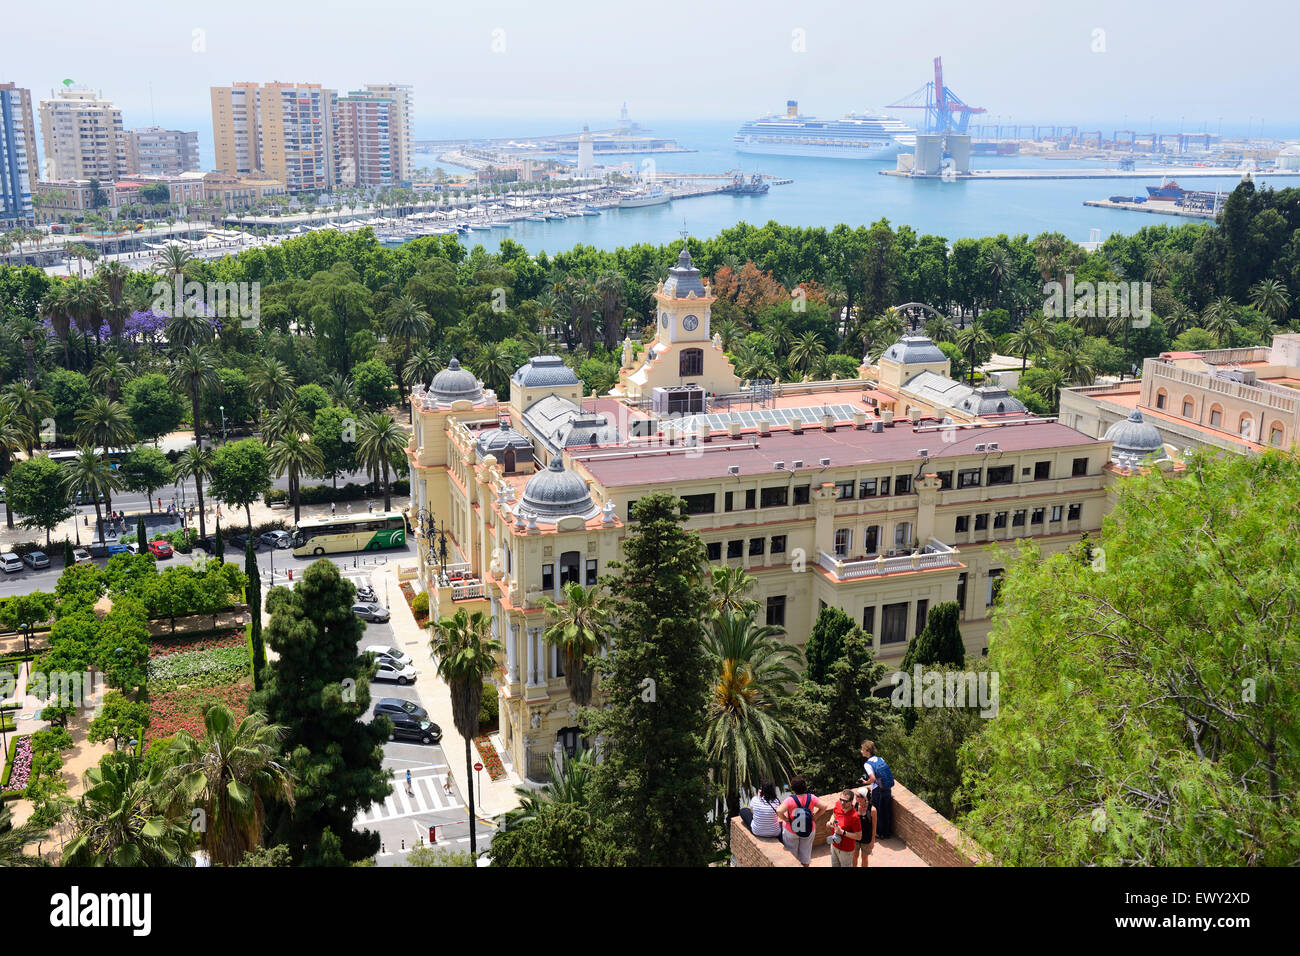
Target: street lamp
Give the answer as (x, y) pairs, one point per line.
(431, 530)
(223, 424)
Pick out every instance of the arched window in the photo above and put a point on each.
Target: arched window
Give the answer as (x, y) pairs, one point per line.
(1161, 397)
(1216, 416)
(1275, 434)
(1188, 405)
(1246, 427)
(692, 362)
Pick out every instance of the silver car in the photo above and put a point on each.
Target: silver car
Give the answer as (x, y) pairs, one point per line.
(36, 560)
(371, 612)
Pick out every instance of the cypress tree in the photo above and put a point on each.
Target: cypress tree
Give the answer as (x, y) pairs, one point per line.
(141, 535)
(826, 643)
(69, 559)
(256, 645)
(652, 787)
(940, 642)
(219, 544)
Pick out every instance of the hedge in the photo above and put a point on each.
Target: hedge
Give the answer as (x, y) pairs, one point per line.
(324, 494)
(488, 713)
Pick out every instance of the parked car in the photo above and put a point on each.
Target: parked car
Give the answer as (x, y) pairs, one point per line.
(414, 728)
(240, 542)
(36, 559)
(275, 539)
(388, 706)
(80, 556)
(10, 562)
(400, 658)
(160, 549)
(391, 670)
(118, 548)
(371, 612)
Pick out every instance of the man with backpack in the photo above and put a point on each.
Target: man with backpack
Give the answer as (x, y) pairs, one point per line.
(877, 775)
(798, 827)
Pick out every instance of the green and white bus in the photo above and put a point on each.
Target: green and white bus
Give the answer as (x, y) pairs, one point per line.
(368, 532)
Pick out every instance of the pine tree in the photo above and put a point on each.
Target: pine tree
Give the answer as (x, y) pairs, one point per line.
(826, 643)
(652, 786)
(257, 646)
(317, 688)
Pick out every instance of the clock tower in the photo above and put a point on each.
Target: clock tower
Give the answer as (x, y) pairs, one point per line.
(683, 302)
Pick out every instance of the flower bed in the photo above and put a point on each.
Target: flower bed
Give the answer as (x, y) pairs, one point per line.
(162, 646)
(206, 668)
(491, 762)
(20, 768)
(173, 711)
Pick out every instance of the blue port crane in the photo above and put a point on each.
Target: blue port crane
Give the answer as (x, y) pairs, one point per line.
(945, 111)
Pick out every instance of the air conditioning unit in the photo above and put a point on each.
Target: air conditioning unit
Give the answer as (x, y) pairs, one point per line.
(878, 427)
(981, 446)
(923, 453)
(993, 446)
(778, 466)
(825, 462)
(733, 469)
(797, 463)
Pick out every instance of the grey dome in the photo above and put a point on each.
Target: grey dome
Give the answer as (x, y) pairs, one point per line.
(1133, 440)
(683, 278)
(914, 350)
(991, 400)
(543, 371)
(454, 384)
(495, 440)
(557, 493)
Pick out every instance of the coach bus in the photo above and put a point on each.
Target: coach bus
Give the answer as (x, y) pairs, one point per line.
(367, 532)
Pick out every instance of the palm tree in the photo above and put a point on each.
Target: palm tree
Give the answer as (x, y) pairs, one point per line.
(746, 739)
(752, 363)
(731, 587)
(779, 333)
(188, 327)
(1034, 336)
(586, 300)
(974, 342)
(194, 462)
(294, 455)
(1049, 386)
(467, 656)
(1180, 320)
(340, 388)
(31, 410)
(728, 331)
(570, 783)
(119, 822)
(13, 840)
(110, 373)
(613, 295)
(806, 352)
(578, 628)
(192, 372)
(379, 440)
(940, 328)
(406, 321)
(495, 365)
(269, 382)
(1270, 296)
(86, 301)
(113, 276)
(1220, 318)
(998, 264)
(12, 438)
(55, 306)
(176, 262)
(289, 420)
(1074, 364)
(104, 423)
(90, 475)
(230, 775)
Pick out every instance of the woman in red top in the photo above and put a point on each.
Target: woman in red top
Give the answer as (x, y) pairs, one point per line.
(791, 813)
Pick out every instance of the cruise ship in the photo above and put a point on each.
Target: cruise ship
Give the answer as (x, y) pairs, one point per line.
(856, 136)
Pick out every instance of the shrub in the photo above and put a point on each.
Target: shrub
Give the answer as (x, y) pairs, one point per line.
(420, 604)
(276, 496)
(182, 539)
(221, 665)
(487, 710)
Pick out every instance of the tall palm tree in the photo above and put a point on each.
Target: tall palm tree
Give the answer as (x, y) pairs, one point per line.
(779, 333)
(119, 820)
(1180, 319)
(1033, 337)
(806, 352)
(339, 387)
(940, 328)
(731, 587)
(1270, 296)
(406, 321)
(56, 306)
(1000, 269)
(1049, 386)
(192, 372)
(90, 475)
(1219, 319)
(752, 363)
(467, 656)
(86, 301)
(188, 327)
(586, 300)
(612, 290)
(32, 408)
(379, 440)
(194, 462)
(105, 424)
(746, 739)
(1074, 364)
(12, 439)
(113, 277)
(270, 382)
(110, 374)
(974, 341)
(13, 840)
(290, 419)
(578, 627)
(294, 455)
(230, 775)
(728, 330)
(175, 262)
(494, 364)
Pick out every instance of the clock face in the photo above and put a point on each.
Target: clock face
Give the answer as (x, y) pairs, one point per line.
(690, 323)
(663, 319)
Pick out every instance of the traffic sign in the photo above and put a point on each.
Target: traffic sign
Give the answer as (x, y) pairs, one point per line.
(478, 766)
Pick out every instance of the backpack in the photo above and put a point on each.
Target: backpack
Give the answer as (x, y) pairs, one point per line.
(801, 821)
(884, 776)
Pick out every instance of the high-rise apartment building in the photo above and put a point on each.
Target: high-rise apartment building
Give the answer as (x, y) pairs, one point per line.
(285, 130)
(17, 155)
(162, 152)
(365, 140)
(83, 136)
(399, 126)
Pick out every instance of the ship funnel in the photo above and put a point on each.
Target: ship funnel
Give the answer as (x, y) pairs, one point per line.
(792, 108)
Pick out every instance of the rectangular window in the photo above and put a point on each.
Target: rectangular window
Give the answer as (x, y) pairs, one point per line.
(1036, 517)
(736, 549)
(756, 545)
(871, 544)
(775, 497)
(922, 608)
(778, 544)
(903, 536)
(961, 592)
(1079, 468)
(1056, 512)
(995, 586)
(1160, 400)
(801, 493)
(963, 524)
(1018, 519)
(1075, 512)
(968, 478)
(945, 480)
(843, 540)
(884, 486)
(867, 488)
(893, 623)
(699, 504)
(1042, 470)
(750, 494)
(1000, 519)
(776, 611)
(844, 490)
(591, 572)
(1216, 417)
(869, 620)
(727, 500)
(1002, 475)
(629, 508)
(902, 484)
(715, 550)
(982, 522)
(548, 577)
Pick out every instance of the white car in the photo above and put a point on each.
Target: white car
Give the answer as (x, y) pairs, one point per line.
(10, 562)
(80, 556)
(390, 670)
(400, 658)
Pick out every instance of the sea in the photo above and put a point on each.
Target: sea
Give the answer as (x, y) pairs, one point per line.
(825, 192)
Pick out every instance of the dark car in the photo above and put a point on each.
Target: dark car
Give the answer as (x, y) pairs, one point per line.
(414, 728)
(387, 706)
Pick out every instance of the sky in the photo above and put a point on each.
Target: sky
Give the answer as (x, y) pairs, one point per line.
(1198, 62)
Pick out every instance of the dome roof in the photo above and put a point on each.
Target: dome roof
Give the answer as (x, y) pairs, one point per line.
(557, 493)
(493, 440)
(1133, 440)
(683, 278)
(454, 384)
(543, 371)
(991, 400)
(914, 350)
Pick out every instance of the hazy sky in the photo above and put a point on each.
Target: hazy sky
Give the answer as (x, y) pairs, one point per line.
(1066, 62)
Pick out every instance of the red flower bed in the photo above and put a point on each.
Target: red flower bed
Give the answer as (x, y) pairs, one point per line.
(183, 709)
(491, 762)
(162, 646)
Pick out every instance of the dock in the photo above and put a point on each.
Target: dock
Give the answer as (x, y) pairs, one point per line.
(1190, 172)
(1153, 208)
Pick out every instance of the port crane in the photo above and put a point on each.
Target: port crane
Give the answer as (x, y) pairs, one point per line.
(945, 111)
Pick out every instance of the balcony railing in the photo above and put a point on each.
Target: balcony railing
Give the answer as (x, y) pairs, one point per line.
(936, 554)
(467, 590)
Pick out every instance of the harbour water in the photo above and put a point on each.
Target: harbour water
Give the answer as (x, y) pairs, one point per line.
(829, 191)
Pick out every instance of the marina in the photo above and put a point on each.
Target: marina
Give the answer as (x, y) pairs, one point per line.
(1188, 172)
(1152, 208)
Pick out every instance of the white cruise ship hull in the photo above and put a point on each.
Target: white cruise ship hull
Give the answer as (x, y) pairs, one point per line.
(882, 150)
(637, 202)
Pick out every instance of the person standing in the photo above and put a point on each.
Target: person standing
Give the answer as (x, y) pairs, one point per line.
(796, 815)
(847, 831)
(878, 776)
(332, 506)
(867, 815)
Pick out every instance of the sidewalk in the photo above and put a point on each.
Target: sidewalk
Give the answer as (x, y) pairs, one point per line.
(498, 796)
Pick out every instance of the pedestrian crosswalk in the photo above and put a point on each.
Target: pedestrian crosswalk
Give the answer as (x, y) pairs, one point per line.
(429, 795)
